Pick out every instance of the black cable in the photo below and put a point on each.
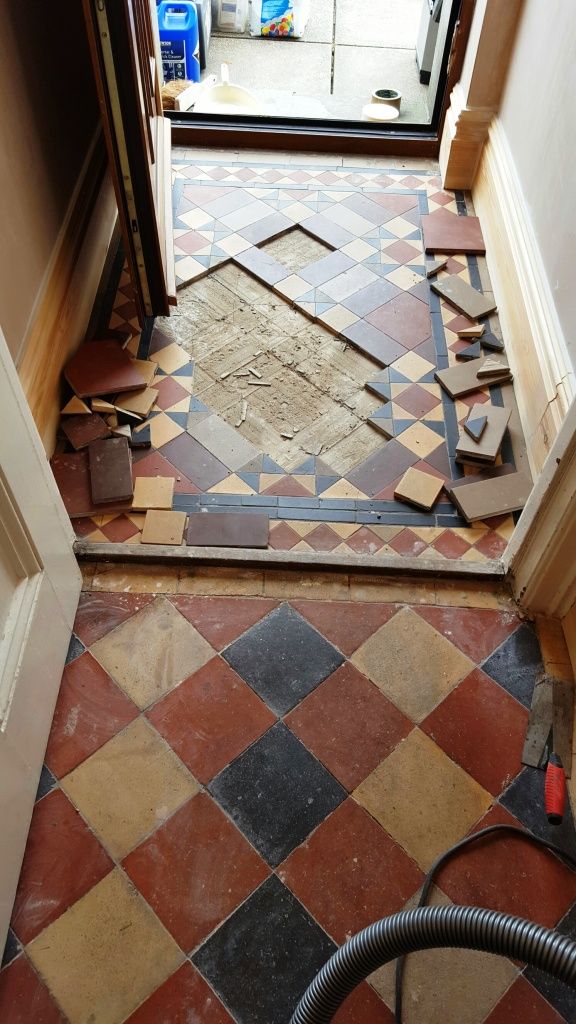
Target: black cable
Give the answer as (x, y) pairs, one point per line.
(441, 860)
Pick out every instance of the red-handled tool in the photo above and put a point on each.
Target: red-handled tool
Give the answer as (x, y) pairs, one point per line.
(555, 790)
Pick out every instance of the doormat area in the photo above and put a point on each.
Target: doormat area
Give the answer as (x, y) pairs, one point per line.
(285, 277)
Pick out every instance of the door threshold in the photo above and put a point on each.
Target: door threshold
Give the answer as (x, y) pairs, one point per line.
(396, 565)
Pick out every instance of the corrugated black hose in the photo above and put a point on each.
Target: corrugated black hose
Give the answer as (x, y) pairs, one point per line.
(392, 938)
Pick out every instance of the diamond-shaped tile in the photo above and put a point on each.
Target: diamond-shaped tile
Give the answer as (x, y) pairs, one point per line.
(517, 664)
(152, 651)
(412, 664)
(418, 438)
(271, 934)
(277, 792)
(24, 997)
(211, 718)
(174, 870)
(404, 318)
(106, 954)
(523, 1003)
(283, 658)
(422, 799)
(560, 995)
(524, 798)
(129, 787)
(184, 995)
(475, 631)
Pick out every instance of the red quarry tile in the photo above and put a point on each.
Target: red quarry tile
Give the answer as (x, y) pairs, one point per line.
(195, 870)
(345, 624)
(99, 613)
(287, 487)
(491, 544)
(475, 398)
(119, 529)
(397, 204)
(158, 341)
(476, 631)
(431, 470)
(211, 718)
(169, 390)
(365, 542)
(24, 998)
(154, 464)
(90, 710)
(223, 619)
(350, 872)
(482, 728)
(63, 861)
(283, 537)
(349, 725)
(82, 527)
(407, 543)
(450, 545)
(183, 999)
(191, 242)
(363, 1006)
(522, 1003)
(509, 874)
(401, 252)
(200, 195)
(404, 318)
(323, 538)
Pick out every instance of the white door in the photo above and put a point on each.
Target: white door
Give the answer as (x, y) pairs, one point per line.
(39, 587)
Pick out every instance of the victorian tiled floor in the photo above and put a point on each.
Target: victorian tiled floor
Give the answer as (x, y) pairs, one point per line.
(245, 768)
(314, 276)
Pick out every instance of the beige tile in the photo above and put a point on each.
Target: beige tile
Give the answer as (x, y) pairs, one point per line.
(423, 800)
(152, 651)
(106, 954)
(413, 366)
(222, 582)
(343, 489)
(418, 488)
(163, 527)
(400, 227)
(153, 492)
(172, 357)
(358, 249)
(139, 402)
(385, 588)
(129, 787)
(473, 594)
(338, 318)
(293, 286)
(404, 278)
(420, 439)
(163, 429)
(446, 986)
(234, 244)
(135, 579)
(232, 485)
(320, 586)
(88, 571)
(412, 664)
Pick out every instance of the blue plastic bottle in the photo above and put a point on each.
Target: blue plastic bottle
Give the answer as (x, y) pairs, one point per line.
(179, 42)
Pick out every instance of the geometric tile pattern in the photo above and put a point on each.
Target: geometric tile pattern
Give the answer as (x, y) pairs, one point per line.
(361, 309)
(201, 836)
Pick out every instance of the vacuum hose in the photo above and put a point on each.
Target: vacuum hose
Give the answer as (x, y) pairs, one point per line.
(428, 928)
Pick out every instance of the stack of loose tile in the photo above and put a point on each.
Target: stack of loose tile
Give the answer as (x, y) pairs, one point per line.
(464, 378)
(482, 434)
(494, 492)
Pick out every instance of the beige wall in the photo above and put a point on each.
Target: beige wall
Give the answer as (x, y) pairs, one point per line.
(49, 116)
(538, 119)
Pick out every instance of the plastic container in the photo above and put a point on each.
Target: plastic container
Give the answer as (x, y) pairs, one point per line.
(179, 40)
(230, 15)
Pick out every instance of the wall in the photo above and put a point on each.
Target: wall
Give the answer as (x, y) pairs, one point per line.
(49, 117)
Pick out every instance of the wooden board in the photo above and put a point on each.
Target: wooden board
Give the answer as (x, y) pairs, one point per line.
(110, 470)
(228, 530)
(447, 232)
(487, 448)
(72, 477)
(486, 498)
(463, 297)
(462, 378)
(102, 368)
(82, 430)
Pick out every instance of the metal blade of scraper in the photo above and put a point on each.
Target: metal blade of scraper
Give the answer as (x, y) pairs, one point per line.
(539, 723)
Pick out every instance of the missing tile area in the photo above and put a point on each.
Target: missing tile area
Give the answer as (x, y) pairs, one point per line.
(296, 249)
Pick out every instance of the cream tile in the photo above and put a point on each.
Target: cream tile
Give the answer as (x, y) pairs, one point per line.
(153, 492)
(297, 212)
(189, 269)
(320, 586)
(163, 527)
(338, 318)
(345, 530)
(422, 799)
(232, 485)
(293, 286)
(404, 278)
(135, 579)
(400, 227)
(234, 244)
(358, 250)
(222, 582)
(152, 652)
(420, 440)
(171, 358)
(413, 366)
(163, 429)
(413, 665)
(106, 954)
(196, 218)
(129, 787)
(301, 527)
(342, 489)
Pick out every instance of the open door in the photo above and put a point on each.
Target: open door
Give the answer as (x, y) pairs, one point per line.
(125, 50)
(39, 587)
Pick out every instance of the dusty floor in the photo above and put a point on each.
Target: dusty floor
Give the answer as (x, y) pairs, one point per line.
(246, 768)
(350, 48)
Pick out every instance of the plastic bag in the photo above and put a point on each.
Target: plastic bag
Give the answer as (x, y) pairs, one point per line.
(278, 19)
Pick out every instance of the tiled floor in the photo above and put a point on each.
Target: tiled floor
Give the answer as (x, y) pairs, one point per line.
(246, 768)
(315, 277)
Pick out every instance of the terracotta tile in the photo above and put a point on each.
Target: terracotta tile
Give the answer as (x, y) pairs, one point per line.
(221, 620)
(136, 656)
(154, 464)
(63, 860)
(384, 465)
(169, 392)
(129, 787)
(183, 998)
(90, 710)
(422, 799)
(119, 529)
(475, 631)
(510, 875)
(211, 718)
(72, 476)
(323, 538)
(404, 318)
(365, 542)
(102, 368)
(282, 537)
(492, 545)
(287, 486)
(152, 492)
(413, 666)
(98, 614)
(417, 401)
(349, 872)
(106, 954)
(174, 870)
(345, 625)
(373, 343)
(408, 544)
(523, 1003)
(24, 998)
(450, 545)
(483, 729)
(363, 1005)
(349, 725)
(448, 233)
